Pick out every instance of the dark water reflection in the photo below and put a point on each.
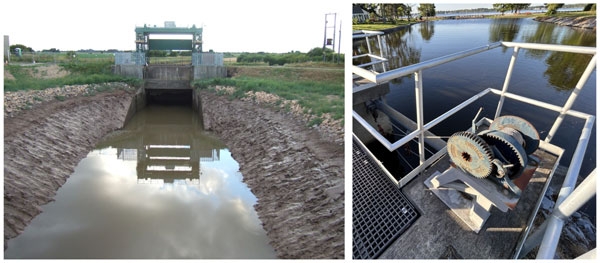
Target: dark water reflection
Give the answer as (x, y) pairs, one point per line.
(161, 188)
(542, 75)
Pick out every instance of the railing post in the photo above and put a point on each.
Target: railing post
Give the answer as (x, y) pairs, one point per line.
(368, 44)
(419, 106)
(511, 66)
(584, 77)
(381, 52)
(562, 211)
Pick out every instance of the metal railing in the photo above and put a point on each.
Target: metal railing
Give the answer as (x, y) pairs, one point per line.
(551, 232)
(375, 60)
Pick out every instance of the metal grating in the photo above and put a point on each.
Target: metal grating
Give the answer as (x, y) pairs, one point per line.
(380, 212)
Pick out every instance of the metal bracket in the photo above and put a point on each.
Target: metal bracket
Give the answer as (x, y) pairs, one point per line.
(447, 186)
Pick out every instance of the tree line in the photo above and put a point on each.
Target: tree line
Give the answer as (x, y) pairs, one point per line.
(389, 13)
(314, 55)
(396, 11)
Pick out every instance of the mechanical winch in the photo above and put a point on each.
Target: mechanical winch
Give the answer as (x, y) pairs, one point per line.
(500, 153)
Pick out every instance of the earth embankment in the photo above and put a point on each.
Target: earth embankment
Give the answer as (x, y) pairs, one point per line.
(586, 22)
(43, 145)
(296, 175)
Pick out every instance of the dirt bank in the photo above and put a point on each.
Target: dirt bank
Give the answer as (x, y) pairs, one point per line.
(17, 101)
(586, 22)
(43, 145)
(297, 176)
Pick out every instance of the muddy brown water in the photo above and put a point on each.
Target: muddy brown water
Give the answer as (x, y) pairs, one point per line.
(159, 188)
(295, 172)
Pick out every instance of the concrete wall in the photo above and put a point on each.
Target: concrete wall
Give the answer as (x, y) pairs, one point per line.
(132, 71)
(169, 72)
(166, 84)
(197, 106)
(205, 72)
(138, 102)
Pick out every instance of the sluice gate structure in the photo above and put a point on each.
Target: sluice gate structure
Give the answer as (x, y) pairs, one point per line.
(173, 73)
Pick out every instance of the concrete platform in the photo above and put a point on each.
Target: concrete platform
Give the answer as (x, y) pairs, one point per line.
(439, 233)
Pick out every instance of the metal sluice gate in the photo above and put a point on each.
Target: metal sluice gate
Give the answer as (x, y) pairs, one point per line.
(380, 212)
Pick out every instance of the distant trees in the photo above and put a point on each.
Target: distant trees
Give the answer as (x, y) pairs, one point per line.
(426, 9)
(404, 10)
(513, 8)
(387, 12)
(552, 8)
(315, 54)
(22, 47)
(589, 7)
(52, 50)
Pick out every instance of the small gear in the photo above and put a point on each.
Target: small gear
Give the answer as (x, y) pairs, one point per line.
(509, 149)
(471, 154)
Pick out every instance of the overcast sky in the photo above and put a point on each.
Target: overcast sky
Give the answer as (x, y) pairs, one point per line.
(229, 25)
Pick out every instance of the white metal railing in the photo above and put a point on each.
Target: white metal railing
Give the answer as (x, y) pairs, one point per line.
(375, 60)
(551, 232)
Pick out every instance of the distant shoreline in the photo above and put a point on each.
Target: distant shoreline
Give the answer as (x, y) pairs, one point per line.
(582, 21)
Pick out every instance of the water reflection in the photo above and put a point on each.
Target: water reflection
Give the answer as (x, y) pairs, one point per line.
(565, 69)
(427, 29)
(504, 29)
(398, 47)
(543, 33)
(160, 188)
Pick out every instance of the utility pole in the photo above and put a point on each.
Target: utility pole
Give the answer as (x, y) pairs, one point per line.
(339, 42)
(6, 49)
(329, 41)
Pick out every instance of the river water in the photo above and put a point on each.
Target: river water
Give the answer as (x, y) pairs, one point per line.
(545, 76)
(159, 188)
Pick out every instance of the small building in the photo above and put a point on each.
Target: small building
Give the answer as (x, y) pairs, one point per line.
(359, 14)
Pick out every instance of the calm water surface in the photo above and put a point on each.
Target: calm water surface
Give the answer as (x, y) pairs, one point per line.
(545, 76)
(160, 188)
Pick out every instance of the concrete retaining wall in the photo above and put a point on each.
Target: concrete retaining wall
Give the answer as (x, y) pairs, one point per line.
(138, 102)
(169, 72)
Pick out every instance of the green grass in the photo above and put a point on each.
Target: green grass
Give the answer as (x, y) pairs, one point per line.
(380, 26)
(325, 96)
(60, 57)
(575, 14)
(80, 73)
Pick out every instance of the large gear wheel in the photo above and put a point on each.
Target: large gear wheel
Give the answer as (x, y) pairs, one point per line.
(508, 148)
(471, 154)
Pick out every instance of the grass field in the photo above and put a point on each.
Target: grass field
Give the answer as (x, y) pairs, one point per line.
(316, 86)
(318, 89)
(36, 76)
(61, 57)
